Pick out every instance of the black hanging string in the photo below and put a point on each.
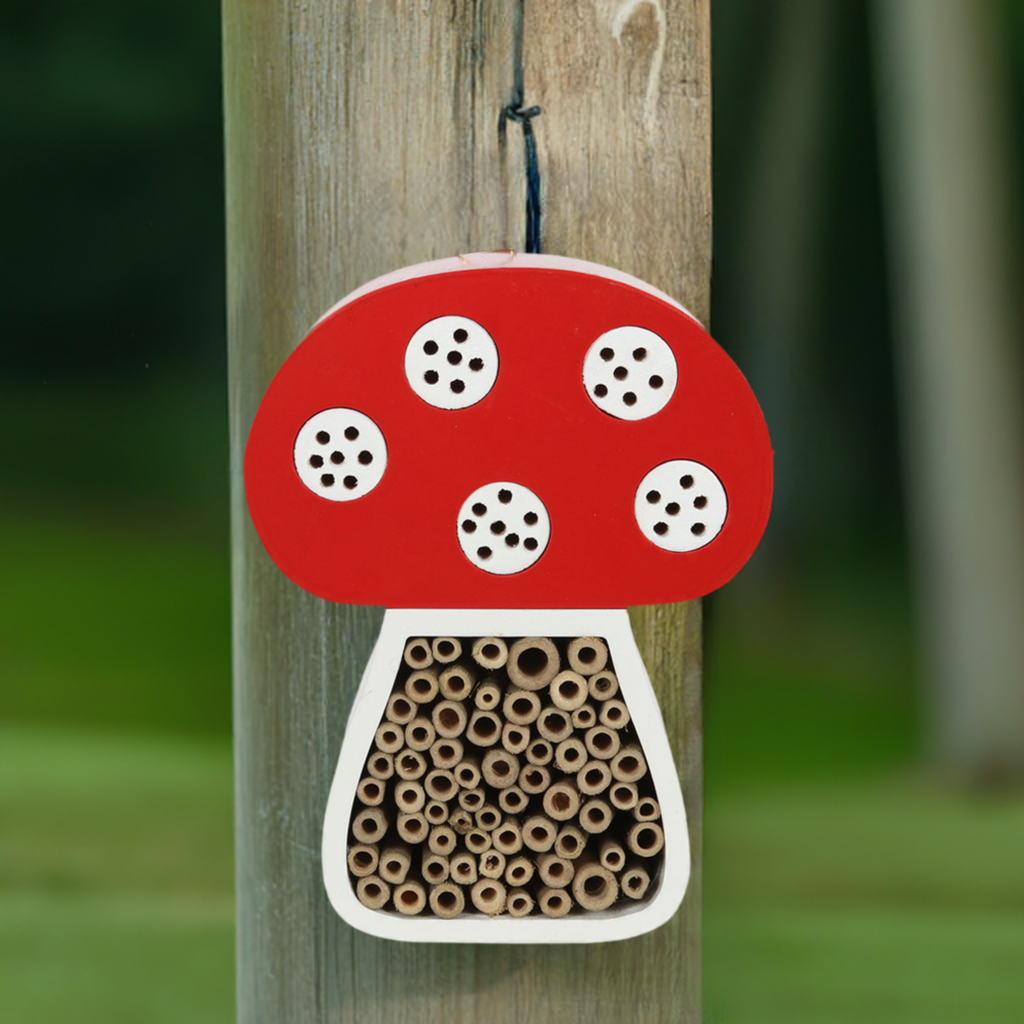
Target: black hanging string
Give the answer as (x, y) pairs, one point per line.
(516, 111)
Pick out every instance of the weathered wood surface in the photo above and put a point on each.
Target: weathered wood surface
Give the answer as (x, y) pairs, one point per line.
(360, 138)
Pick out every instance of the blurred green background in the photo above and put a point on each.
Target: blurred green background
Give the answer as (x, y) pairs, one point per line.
(848, 876)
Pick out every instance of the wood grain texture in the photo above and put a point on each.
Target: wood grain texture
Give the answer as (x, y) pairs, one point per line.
(362, 137)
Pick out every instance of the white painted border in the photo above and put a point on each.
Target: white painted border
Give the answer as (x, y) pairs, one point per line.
(503, 258)
(367, 710)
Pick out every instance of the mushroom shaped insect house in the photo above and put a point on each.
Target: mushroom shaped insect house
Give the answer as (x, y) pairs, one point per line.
(507, 452)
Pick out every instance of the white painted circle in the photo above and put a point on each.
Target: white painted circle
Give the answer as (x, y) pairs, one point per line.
(340, 454)
(630, 373)
(503, 528)
(680, 505)
(451, 362)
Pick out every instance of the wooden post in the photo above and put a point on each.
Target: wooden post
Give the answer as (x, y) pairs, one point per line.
(361, 138)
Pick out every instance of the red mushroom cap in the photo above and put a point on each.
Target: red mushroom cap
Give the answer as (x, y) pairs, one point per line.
(397, 543)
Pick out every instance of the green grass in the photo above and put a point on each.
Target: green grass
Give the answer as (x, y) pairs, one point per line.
(839, 886)
(116, 897)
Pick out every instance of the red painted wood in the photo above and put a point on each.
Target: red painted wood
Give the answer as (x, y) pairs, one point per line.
(397, 546)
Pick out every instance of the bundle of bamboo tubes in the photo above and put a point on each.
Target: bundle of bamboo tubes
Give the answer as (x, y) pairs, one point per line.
(505, 777)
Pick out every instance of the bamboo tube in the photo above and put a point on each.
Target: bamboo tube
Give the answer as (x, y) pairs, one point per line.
(508, 837)
(418, 653)
(440, 785)
(434, 867)
(484, 729)
(561, 800)
(412, 827)
(373, 892)
(400, 709)
(410, 764)
(456, 681)
(635, 882)
(381, 766)
(370, 825)
(477, 840)
(540, 752)
(450, 718)
(442, 840)
(492, 864)
(554, 725)
(515, 738)
(409, 797)
(436, 812)
(521, 707)
(389, 738)
(490, 652)
(447, 900)
(570, 842)
(602, 742)
(647, 809)
(370, 791)
(646, 838)
(594, 777)
(554, 902)
(568, 691)
(463, 868)
(472, 799)
(603, 685)
(614, 714)
(363, 859)
(628, 765)
(487, 696)
(419, 734)
(512, 800)
(446, 753)
(595, 816)
(520, 903)
(500, 768)
(462, 821)
(410, 898)
(587, 655)
(488, 818)
(539, 833)
(519, 871)
(584, 717)
(594, 887)
(446, 649)
(623, 796)
(467, 773)
(532, 662)
(395, 862)
(421, 687)
(612, 855)
(554, 871)
(488, 896)
(534, 779)
(570, 755)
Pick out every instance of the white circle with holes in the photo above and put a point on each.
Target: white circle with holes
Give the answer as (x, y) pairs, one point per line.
(503, 528)
(680, 505)
(630, 373)
(451, 362)
(340, 454)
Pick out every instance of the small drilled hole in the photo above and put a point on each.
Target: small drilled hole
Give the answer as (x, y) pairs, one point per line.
(530, 543)
(479, 509)
(476, 365)
(530, 519)
(430, 347)
(512, 540)
(504, 496)
(484, 553)
(629, 398)
(620, 373)
(454, 358)
(316, 461)
(697, 529)
(600, 390)
(639, 354)
(686, 482)
(653, 497)
(458, 386)
(337, 458)
(365, 458)
(655, 382)
(351, 482)
(351, 433)
(469, 526)
(672, 508)
(460, 334)
(607, 354)
(327, 479)
(323, 437)
(700, 502)
(661, 529)
(431, 377)
(497, 528)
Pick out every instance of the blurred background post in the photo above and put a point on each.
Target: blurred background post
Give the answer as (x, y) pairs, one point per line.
(868, 161)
